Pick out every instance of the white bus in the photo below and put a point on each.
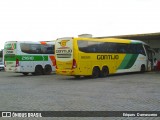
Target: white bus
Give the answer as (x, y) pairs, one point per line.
(29, 57)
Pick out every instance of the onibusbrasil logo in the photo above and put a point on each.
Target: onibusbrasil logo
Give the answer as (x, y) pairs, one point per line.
(21, 114)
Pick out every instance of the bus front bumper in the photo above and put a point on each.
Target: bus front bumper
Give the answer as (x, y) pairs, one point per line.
(12, 69)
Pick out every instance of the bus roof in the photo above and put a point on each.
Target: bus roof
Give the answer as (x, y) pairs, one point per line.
(41, 42)
(112, 40)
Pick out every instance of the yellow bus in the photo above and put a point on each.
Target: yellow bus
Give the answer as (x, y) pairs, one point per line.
(101, 57)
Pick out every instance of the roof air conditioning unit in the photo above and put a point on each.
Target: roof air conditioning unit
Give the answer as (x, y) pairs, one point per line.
(85, 36)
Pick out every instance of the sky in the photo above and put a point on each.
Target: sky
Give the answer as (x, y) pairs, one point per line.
(45, 20)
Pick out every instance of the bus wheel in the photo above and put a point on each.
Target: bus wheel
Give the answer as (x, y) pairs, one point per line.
(105, 71)
(38, 70)
(25, 73)
(96, 72)
(143, 68)
(47, 70)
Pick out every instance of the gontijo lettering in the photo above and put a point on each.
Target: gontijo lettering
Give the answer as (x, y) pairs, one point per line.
(64, 51)
(107, 57)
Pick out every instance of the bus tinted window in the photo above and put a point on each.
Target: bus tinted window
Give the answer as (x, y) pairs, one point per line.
(37, 48)
(140, 49)
(94, 46)
(109, 47)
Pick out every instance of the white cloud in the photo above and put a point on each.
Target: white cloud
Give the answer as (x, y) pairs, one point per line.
(50, 19)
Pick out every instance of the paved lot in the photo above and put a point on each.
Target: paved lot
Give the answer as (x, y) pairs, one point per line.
(129, 92)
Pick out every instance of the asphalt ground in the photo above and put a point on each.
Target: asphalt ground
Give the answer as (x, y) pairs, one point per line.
(122, 92)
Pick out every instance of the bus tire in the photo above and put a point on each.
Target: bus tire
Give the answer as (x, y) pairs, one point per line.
(25, 73)
(38, 70)
(47, 70)
(143, 69)
(95, 72)
(105, 71)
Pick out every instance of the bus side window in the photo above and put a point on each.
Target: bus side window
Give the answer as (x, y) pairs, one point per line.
(53, 49)
(121, 48)
(38, 51)
(49, 50)
(35, 49)
(25, 47)
(132, 48)
(140, 49)
(91, 49)
(112, 47)
(83, 45)
(103, 47)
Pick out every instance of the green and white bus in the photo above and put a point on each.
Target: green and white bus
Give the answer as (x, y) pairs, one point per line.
(29, 57)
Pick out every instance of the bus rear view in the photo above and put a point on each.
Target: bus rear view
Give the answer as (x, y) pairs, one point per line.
(10, 51)
(64, 56)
